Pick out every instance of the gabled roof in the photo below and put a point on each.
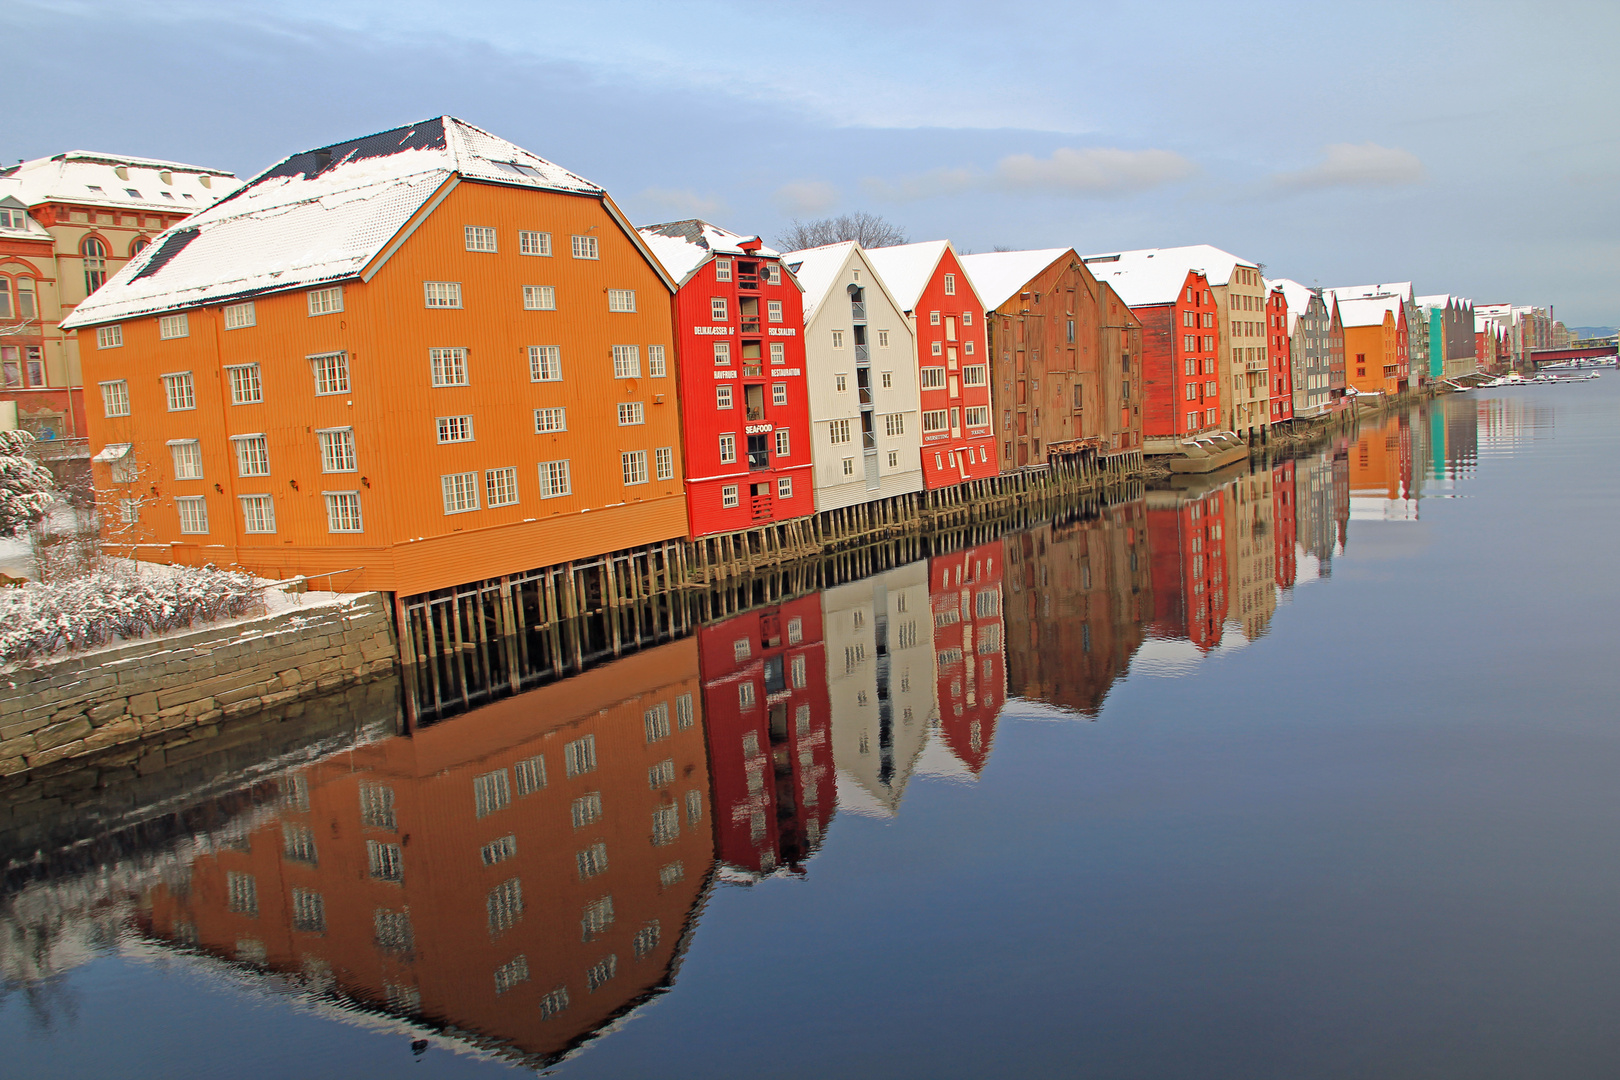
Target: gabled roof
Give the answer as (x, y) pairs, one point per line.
(1142, 282)
(817, 268)
(906, 268)
(1216, 265)
(1444, 300)
(683, 246)
(1370, 311)
(83, 178)
(998, 276)
(1299, 298)
(1403, 289)
(317, 217)
(30, 229)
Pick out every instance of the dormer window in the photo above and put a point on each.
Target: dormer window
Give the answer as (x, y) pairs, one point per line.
(132, 193)
(96, 188)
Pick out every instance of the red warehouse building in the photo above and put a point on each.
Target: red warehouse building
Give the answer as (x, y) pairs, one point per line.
(770, 751)
(745, 409)
(1279, 359)
(953, 362)
(1181, 383)
(971, 669)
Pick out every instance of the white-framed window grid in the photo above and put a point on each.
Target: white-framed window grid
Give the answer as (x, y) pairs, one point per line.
(441, 294)
(539, 298)
(115, 398)
(343, 511)
(247, 387)
(460, 491)
(179, 391)
(448, 366)
(500, 486)
(331, 371)
(545, 363)
(337, 450)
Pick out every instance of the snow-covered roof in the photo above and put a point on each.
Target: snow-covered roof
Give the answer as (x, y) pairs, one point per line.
(817, 268)
(906, 268)
(1403, 289)
(89, 179)
(998, 276)
(1216, 265)
(315, 217)
(29, 229)
(683, 246)
(1442, 300)
(1299, 298)
(1369, 311)
(1140, 282)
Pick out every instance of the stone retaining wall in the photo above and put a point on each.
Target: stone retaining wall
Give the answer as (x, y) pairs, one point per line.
(196, 679)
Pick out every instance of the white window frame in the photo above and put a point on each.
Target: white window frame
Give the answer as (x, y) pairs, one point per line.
(327, 301)
(931, 378)
(252, 452)
(722, 354)
(723, 397)
(622, 300)
(110, 337)
(534, 243)
(539, 298)
(258, 514)
(187, 457)
(983, 412)
(337, 450)
(779, 393)
(482, 238)
(173, 326)
(975, 374)
(448, 366)
(500, 486)
(838, 339)
(633, 465)
(545, 363)
(331, 373)
(550, 420)
(838, 432)
(632, 414)
(656, 368)
(556, 479)
(722, 269)
(193, 512)
(784, 490)
(773, 311)
(894, 424)
(729, 497)
(664, 461)
(441, 295)
(460, 492)
(239, 316)
(728, 448)
(950, 284)
(627, 361)
(180, 391)
(784, 443)
(247, 384)
(343, 512)
(719, 309)
(935, 421)
(454, 429)
(115, 398)
(585, 247)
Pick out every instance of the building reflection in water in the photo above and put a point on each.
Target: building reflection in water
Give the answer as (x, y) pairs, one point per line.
(965, 600)
(765, 694)
(1187, 536)
(518, 876)
(1381, 480)
(1078, 596)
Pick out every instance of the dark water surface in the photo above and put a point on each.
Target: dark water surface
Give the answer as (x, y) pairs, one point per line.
(1309, 773)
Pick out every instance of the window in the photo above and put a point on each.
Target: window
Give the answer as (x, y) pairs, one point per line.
(950, 285)
(550, 420)
(242, 893)
(888, 380)
(883, 339)
(449, 366)
(598, 974)
(109, 337)
(664, 462)
(193, 514)
(491, 792)
(838, 432)
(545, 363)
(376, 806)
(325, 301)
(722, 397)
(252, 455)
(722, 354)
(671, 873)
(977, 415)
(337, 450)
(722, 269)
(534, 243)
(894, 424)
(646, 939)
(129, 511)
(666, 824)
(933, 378)
(554, 479)
(480, 238)
(509, 974)
(246, 389)
(179, 392)
(779, 394)
(258, 514)
(782, 443)
(95, 264)
(115, 397)
(500, 486)
(331, 373)
(784, 487)
(634, 465)
(531, 775)
(460, 492)
(441, 294)
(621, 299)
(554, 1003)
(187, 454)
(631, 413)
(661, 774)
(935, 420)
(587, 809)
(627, 361)
(975, 375)
(174, 326)
(454, 429)
(655, 362)
(967, 318)
(937, 349)
(585, 247)
(539, 298)
(840, 383)
(579, 757)
(591, 861)
(717, 309)
(343, 512)
(728, 496)
(505, 905)
(728, 448)
(391, 930)
(773, 274)
(838, 339)
(773, 311)
(778, 354)
(849, 466)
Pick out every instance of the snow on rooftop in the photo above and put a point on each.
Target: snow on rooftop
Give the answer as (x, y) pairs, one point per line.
(683, 246)
(1141, 279)
(906, 268)
(315, 217)
(1369, 311)
(998, 276)
(1403, 289)
(1299, 298)
(88, 179)
(1216, 265)
(817, 269)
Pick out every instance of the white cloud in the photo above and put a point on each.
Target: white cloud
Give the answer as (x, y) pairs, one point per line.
(1094, 172)
(802, 198)
(1356, 165)
(685, 201)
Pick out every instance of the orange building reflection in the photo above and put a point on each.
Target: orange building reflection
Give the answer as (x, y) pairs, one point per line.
(518, 876)
(964, 591)
(1078, 596)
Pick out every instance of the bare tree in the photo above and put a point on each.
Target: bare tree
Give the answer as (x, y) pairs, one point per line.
(868, 230)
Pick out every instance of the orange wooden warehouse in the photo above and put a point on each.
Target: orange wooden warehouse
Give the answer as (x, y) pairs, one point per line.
(426, 352)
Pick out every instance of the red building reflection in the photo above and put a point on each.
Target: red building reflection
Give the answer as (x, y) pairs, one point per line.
(964, 592)
(1283, 523)
(1187, 536)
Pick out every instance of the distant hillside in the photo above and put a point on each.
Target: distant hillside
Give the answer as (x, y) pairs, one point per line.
(1592, 331)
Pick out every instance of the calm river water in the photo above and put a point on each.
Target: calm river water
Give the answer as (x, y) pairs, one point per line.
(1310, 772)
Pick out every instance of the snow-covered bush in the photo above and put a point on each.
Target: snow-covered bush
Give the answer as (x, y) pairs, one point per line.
(111, 603)
(27, 489)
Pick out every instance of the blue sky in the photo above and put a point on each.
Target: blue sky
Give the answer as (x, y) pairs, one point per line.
(1473, 148)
